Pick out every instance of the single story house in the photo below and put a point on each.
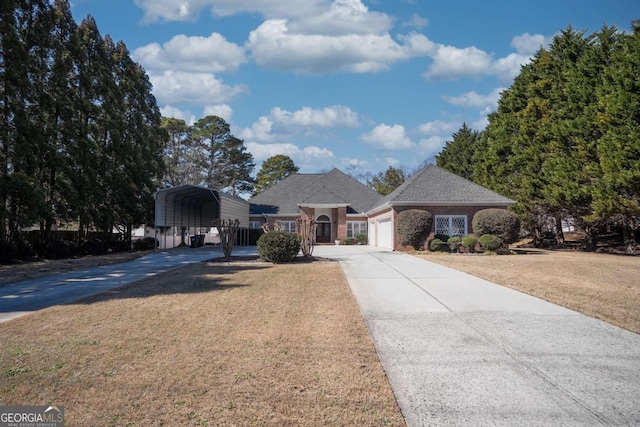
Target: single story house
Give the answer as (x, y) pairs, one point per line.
(451, 199)
(335, 200)
(343, 207)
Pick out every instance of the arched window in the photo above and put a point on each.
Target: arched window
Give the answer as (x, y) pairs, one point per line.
(323, 218)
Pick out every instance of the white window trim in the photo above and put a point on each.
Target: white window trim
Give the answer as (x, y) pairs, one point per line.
(361, 226)
(289, 226)
(450, 228)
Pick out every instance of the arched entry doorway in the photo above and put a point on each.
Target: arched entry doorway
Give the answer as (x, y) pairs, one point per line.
(323, 229)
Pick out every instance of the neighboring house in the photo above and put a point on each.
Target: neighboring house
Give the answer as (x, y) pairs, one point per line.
(335, 200)
(452, 200)
(343, 207)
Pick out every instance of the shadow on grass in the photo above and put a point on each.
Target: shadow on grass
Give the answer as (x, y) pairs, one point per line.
(524, 251)
(186, 280)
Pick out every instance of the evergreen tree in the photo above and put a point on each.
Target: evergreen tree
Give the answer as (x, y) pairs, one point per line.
(618, 191)
(176, 152)
(274, 170)
(457, 154)
(222, 158)
(24, 29)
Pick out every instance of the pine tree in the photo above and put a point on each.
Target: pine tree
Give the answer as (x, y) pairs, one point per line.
(222, 158)
(457, 154)
(274, 170)
(618, 191)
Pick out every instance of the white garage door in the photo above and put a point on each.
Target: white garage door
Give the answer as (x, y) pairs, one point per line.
(385, 234)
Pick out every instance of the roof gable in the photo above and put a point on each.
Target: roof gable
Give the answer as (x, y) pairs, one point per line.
(432, 184)
(334, 187)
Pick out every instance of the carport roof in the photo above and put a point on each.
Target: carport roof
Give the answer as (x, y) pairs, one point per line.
(188, 205)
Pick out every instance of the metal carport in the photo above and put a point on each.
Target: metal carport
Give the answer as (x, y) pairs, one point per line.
(195, 208)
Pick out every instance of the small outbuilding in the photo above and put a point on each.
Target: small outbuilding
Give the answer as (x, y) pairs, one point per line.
(186, 211)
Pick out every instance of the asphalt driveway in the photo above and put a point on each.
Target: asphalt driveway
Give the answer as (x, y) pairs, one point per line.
(459, 350)
(35, 294)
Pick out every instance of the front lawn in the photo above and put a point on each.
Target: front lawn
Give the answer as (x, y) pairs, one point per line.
(603, 286)
(210, 344)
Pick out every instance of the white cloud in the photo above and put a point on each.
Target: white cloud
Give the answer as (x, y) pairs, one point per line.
(507, 68)
(431, 146)
(528, 44)
(222, 110)
(281, 123)
(186, 10)
(416, 21)
(175, 87)
(170, 111)
(169, 10)
(438, 127)
(335, 116)
(259, 131)
(298, 155)
(211, 54)
(450, 62)
(354, 163)
(388, 137)
(343, 17)
(390, 161)
(475, 100)
(274, 46)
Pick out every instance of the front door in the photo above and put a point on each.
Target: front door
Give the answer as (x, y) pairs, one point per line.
(323, 232)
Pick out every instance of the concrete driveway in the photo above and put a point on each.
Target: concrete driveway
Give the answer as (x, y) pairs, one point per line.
(42, 292)
(459, 350)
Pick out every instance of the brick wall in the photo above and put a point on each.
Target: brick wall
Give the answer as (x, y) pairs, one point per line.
(469, 211)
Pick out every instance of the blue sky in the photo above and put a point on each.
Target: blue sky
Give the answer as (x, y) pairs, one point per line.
(339, 83)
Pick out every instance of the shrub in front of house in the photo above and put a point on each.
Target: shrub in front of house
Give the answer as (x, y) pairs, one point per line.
(437, 245)
(278, 246)
(93, 247)
(490, 242)
(454, 243)
(469, 243)
(58, 249)
(145, 244)
(413, 227)
(498, 222)
(440, 244)
(361, 238)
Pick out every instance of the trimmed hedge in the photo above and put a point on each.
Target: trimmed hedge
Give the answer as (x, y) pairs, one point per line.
(361, 238)
(58, 249)
(413, 227)
(490, 243)
(437, 245)
(454, 243)
(469, 243)
(499, 222)
(145, 244)
(278, 246)
(93, 247)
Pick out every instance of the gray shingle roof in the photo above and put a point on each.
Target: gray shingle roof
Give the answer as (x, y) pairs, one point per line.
(432, 184)
(334, 187)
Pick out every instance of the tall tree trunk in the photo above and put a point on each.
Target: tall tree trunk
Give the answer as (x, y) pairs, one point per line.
(590, 239)
(559, 232)
(629, 235)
